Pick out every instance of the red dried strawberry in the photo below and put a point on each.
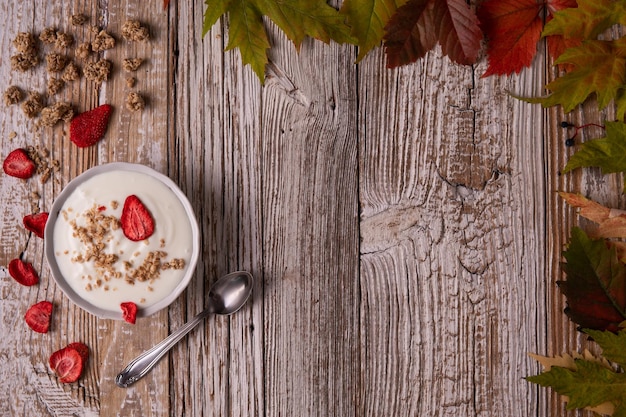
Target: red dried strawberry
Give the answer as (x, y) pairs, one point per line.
(18, 164)
(129, 312)
(36, 223)
(38, 316)
(81, 348)
(137, 222)
(67, 363)
(23, 272)
(88, 128)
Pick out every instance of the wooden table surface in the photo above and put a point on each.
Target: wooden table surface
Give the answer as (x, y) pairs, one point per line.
(402, 225)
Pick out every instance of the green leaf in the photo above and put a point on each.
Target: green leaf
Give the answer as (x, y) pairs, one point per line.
(248, 34)
(301, 18)
(296, 18)
(588, 20)
(367, 19)
(589, 385)
(597, 67)
(214, 10)
(613, 345)
(608, 153)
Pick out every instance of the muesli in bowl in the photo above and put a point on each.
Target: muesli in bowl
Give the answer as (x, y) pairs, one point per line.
(122, 233)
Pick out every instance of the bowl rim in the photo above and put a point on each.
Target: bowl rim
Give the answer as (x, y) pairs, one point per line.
(54, 214)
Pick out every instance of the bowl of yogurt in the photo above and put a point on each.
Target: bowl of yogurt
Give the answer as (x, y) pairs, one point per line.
(92, 260)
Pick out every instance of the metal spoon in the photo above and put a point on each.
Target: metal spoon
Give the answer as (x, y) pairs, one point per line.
(227, 295)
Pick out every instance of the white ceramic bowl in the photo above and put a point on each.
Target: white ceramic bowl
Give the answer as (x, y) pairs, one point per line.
(52, 253)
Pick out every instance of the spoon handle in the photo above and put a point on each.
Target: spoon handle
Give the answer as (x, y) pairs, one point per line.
(140, 366)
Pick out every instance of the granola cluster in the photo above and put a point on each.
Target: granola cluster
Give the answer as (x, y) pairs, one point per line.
(67, 60)
(96, 234)
(45, 165)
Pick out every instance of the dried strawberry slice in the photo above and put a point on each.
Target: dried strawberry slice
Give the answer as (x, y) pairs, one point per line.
(67, 363)
(81, 348)
(129, 311)
(36, 223)
(137, 222)
(18, 164)
(23, 272)
(87, 128)
(38, 316)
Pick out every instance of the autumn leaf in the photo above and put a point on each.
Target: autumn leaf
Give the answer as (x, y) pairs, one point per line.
(247, 33)
(611, 222)
(301, 18)
(588, 20)
(214, 10)
(588, 382)
(513, 29)
(419, 25)
(598, 67)
(367, 19)
(296, 18)
(608, 153)
(595, 285)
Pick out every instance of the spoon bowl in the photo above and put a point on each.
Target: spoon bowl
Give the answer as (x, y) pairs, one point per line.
(229, 293)
(226, 296)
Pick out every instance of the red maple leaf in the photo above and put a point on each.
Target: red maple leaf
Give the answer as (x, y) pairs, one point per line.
(418, 25)
(596, 283)
(513, 29)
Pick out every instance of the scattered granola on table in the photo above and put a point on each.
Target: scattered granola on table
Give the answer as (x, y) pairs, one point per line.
(133, 31)
(78, 19)
(83, 50)
(45, 167)
(48, 35)
(51, 115)
(130, 82)
(98, 71)
(13, 95)
(55, 62)
(33, 104)
(131, 64)
(134, 102)
(63, 40)
(55, 85)
(102, 42)
(23, 62)
(25, 43)
(71, 72)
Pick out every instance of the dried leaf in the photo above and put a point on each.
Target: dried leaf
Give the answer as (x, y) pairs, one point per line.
(595, 285)
(611, 222)
(419, 25)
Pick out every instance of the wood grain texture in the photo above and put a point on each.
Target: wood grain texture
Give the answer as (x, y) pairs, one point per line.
(403, 227)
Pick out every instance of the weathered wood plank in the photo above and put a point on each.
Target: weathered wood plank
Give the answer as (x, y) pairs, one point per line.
(451, 256)
(112, 344)
(310, 208)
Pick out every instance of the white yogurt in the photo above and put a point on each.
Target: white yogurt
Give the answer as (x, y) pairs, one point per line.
(172, 236)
